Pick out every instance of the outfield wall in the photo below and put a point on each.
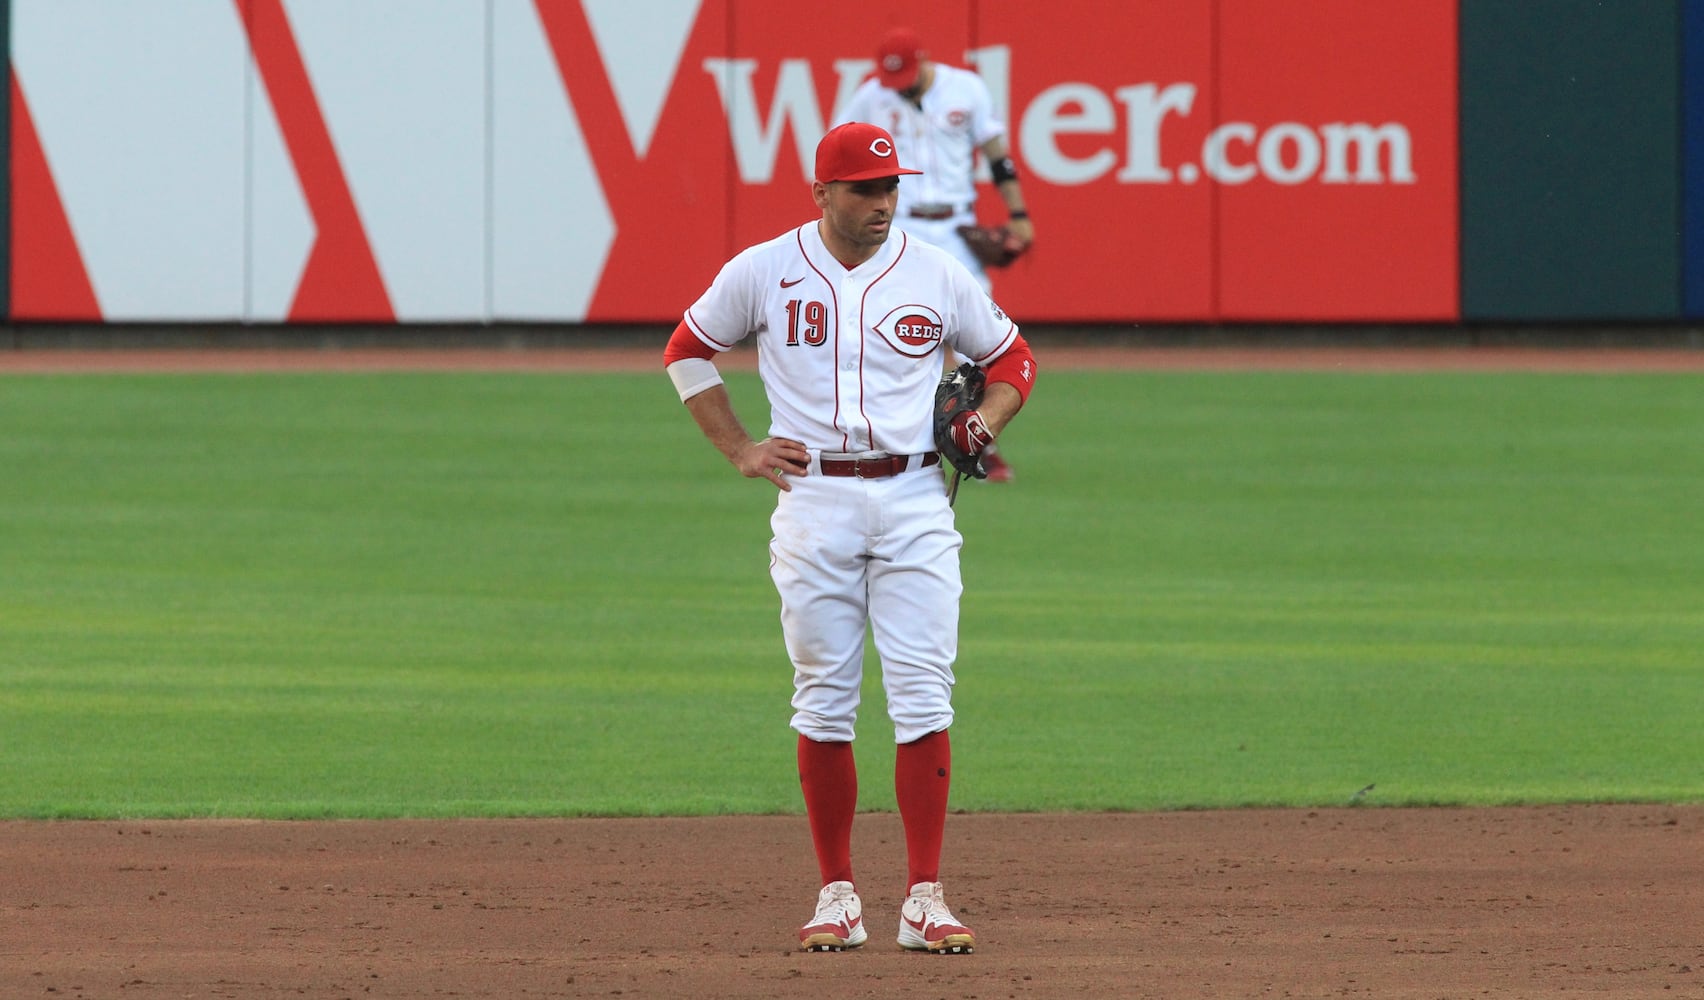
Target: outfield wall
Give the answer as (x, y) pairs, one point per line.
(1570, 174)
(595, 161)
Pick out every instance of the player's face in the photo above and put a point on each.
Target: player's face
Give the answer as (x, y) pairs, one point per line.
(857, 214)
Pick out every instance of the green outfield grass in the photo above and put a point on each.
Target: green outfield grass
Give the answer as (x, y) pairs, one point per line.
(477, 594)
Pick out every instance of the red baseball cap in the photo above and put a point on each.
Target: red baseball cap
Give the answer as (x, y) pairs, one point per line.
(898, 58)
(857, 151)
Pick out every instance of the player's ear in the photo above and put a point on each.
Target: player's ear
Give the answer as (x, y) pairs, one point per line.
(819, 194)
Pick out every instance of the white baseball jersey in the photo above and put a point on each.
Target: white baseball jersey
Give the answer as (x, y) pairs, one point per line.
(850, 358)
(940, 139)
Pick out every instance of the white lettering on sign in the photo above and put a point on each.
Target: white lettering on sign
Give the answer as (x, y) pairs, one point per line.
(1292, 153)
(1235, 152)
(757, 138)
(1232, 153)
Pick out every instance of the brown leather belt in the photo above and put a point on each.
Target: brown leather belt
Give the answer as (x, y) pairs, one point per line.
(935, 212)
(875, 468)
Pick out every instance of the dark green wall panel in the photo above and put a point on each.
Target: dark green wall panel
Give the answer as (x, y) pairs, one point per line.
(1570, 159)
(1692, 143)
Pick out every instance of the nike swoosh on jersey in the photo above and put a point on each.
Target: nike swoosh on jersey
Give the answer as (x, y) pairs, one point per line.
(789, 284)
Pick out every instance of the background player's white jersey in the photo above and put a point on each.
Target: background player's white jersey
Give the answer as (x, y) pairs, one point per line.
(851, 358)
(941, 139)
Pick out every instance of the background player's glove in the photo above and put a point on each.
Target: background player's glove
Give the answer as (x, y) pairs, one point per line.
(994, 246)
(960, 433)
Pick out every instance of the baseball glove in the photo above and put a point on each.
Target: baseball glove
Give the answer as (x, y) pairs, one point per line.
(994, 246)
(956, 399)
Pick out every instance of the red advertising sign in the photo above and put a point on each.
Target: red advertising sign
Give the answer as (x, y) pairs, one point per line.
(1258, 160)
(1182, 160)
(1124, 221)
(1335, 145)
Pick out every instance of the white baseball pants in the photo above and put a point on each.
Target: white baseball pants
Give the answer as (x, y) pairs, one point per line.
(944, 234)
(881, 553)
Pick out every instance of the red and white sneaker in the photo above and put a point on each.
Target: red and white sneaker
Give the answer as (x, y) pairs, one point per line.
(999, 471)
(925, 923)
(838, 923)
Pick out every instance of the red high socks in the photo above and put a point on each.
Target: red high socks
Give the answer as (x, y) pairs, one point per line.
(922, 772)
(829, 777)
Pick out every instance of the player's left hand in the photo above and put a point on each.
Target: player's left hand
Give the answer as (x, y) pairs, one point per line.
(1023, 229)
(994, 246)
(970, 432)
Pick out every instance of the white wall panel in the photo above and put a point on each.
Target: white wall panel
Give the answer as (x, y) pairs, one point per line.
(139, 106)
(641, 46)
(551, 224)
(280, 226)
(401, 85)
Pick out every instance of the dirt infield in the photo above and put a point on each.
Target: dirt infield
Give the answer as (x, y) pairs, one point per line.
(1356, 902)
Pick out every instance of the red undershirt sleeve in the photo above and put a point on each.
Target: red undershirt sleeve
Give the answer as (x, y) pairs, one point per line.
(1016, 368)
(683, 343)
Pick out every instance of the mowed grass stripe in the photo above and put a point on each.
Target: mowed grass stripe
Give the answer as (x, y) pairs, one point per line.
(524, 594)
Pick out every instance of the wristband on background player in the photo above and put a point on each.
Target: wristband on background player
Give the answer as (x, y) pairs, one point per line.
(1003, 170)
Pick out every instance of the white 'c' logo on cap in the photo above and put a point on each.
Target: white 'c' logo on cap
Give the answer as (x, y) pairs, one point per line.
(881, 147)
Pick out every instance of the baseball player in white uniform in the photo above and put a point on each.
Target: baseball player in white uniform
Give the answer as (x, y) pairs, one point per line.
(850, 326)
(939, 116)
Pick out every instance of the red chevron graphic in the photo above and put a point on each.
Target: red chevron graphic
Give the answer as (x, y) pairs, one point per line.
(592, 96)
(341, 280)
(49, 279)
(631, 283)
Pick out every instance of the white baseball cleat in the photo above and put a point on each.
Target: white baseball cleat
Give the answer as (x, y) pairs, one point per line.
(925, 923)
(839, 921)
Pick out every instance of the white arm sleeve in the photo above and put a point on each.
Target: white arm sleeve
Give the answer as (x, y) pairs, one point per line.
(693, 375)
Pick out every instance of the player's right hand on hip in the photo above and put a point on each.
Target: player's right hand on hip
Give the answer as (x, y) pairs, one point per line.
(774, 459)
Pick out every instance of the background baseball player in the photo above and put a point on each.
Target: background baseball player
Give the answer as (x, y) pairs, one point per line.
(940, 116)
(850, 327)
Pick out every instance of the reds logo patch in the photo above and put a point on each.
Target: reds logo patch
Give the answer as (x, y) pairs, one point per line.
(912, 330)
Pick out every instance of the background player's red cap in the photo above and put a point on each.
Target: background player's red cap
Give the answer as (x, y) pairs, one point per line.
(857, 151)
(898, 58)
